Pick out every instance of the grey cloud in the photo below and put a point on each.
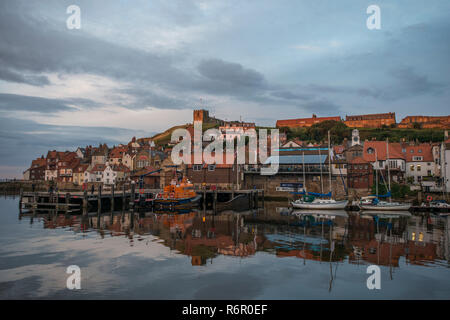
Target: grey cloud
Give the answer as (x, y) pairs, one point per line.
(14, 102)
(11, 76)
(321, 107)
(23, 140)
(288, 95)
(230, 73)
(410, 82)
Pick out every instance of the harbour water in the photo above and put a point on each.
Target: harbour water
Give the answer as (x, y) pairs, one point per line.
(260, 254)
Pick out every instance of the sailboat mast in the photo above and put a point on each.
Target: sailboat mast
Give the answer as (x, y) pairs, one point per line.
(387, 162)
(304, 175)
(376, 173)
(329, 159)
(321, 177)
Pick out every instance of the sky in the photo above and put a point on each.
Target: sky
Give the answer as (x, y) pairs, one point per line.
(138, 67)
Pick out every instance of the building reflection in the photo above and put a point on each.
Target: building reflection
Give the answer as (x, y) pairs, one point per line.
(354, 238)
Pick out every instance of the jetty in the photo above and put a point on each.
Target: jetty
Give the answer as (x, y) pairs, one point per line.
(82, 202)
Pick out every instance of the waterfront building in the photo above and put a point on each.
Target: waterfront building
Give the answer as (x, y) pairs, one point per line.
(225, 176)
(78, 173)
(376, 152)
(359, 174)
(420, 166)
(37, 169)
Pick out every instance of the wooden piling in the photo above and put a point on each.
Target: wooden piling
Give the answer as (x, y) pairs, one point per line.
(67, 201)
(204, 198)
(57, 202)
(133, 195)
(123, 197)
(20, 200)
(112, 198)
(215, 200)
(262, 198)
(99, 199)
(85, 202)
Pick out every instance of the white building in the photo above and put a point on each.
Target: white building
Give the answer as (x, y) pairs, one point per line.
(109, 175)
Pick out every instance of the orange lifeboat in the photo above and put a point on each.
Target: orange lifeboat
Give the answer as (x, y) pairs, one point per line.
(178, 193)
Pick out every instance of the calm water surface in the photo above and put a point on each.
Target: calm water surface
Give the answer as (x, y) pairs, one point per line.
(250, 255)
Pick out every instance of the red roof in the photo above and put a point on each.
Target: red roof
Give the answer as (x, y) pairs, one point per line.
(338, 149)
(422, 150)
(395, 151)
(81, 168)
(98, 167)
(118, 152)
(39, 162)
(120, 167)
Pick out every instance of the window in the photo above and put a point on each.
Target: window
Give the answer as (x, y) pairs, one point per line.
(420, 150)
(429, 172)
(418, 167)
(412, 151)
(411, 167)
(404, 150)
(370, 150)
(211, 167)
(197, 167)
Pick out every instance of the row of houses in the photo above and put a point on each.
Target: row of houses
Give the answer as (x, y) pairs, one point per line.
(96, 164)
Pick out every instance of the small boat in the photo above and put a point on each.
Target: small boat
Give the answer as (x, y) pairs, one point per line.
(177, 194)
(372, 203)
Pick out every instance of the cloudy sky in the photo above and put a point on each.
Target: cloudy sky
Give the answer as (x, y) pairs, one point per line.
(137, 67)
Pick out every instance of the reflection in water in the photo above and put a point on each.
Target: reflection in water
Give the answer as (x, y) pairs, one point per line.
(380, 239)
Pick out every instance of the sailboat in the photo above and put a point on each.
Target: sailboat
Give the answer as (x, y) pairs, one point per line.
(373, 202)
(316, 201)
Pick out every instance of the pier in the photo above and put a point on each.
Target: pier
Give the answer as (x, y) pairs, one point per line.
(82, 202)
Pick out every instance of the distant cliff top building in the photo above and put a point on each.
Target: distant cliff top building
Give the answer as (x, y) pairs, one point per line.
(202, 116)
(304, 122)
(370, 120)
(442, 122)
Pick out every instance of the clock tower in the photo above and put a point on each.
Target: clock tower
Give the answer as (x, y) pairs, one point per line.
(355, 137)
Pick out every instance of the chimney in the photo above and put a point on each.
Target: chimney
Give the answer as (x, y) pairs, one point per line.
(314, 116)
(446, 134)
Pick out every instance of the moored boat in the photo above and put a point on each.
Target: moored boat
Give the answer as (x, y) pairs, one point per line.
(372, 203)
(176, 194)
(319, 204)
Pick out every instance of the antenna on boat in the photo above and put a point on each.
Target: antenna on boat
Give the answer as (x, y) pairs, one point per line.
(376, 173)
(329, 160)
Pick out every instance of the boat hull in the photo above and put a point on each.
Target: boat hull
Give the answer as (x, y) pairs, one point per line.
(177, 202)
(338, 205)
